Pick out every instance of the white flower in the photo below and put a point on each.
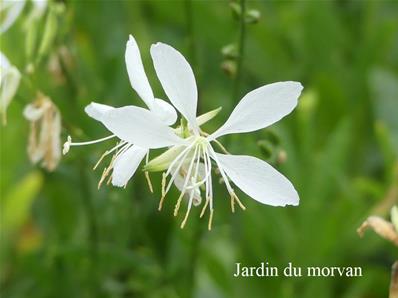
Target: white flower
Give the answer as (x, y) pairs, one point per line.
(258, 109)
(9, 82)
(10, 10)
(128, 156)
(45, 132)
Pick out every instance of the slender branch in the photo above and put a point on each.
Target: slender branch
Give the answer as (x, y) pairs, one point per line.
(241, 49)
(190, 32)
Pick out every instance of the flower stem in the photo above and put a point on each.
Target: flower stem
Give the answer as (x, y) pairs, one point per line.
(190, 32)
(241, 49)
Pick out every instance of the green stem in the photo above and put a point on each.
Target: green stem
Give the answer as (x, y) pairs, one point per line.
(198, 230)
(190, 32)
(241, 49)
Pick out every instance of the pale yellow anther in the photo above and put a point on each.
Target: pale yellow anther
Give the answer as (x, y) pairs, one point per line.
(204, 207)
(163, 184)
(101, 158)
(239, 202)
(102, 178)
(177, 207)
(232, 203)
(185, 218)
(148, 180)
(210, 219)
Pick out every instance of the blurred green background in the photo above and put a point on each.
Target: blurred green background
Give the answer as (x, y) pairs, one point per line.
(61, 237)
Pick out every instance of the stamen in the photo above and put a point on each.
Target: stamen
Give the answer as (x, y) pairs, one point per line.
(179, 156)
(177, 206)
(109, 152)
(210, 219)
(227, 184)
(148, 179)
(69, 143)
(107, 170)
(204, 207)
(163, 191)
(187, 178)
(102, 178)
(188, 210)
(173, 176)
(232, 204)
(192, 193)
(239, 202)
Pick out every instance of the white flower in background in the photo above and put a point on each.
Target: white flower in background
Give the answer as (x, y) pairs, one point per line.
(11, 9)
(9, 82)
(45, 132)
(39, 8)
(127, 156)
(258, 109)
(9, 12)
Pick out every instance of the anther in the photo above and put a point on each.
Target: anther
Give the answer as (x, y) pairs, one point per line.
(148, 180)
(210, 219)
(204, 207)
(239, 202)
(177, 207)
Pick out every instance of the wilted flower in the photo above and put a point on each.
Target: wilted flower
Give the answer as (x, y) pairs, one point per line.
(45, 132)
(192, 153)
(9, 82)
(385, 229)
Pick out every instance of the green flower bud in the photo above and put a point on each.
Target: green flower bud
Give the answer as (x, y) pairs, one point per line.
(229, 67)
(162, 162)
(252, 16)
(230, 51)
(266, 148)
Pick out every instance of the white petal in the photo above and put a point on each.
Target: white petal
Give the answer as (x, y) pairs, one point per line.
(259, 180)
(4, 63)
(177, 79)
(97, 110)
(136, 72)
(164, 111)
(126, 164)
(261, 108)
(12, 10)
(9, 82)
(32, 112)
(141, 127)
(39, 7)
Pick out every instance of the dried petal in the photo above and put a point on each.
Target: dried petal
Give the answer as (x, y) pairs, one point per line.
(382, 227)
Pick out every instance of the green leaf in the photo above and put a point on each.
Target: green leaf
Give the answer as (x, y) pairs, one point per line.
(17, 203)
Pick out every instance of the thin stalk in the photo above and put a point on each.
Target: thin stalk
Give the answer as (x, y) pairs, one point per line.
(197, 224)
(190, 32)
(241, 50)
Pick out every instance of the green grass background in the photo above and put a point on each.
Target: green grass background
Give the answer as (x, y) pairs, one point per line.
(61, 237)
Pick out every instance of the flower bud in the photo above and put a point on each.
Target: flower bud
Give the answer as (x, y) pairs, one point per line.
(229, 67)
(252, 16)
(229, 51)
(266, 148)
(236, 10)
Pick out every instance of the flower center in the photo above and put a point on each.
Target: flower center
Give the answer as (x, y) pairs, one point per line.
(188, 164)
